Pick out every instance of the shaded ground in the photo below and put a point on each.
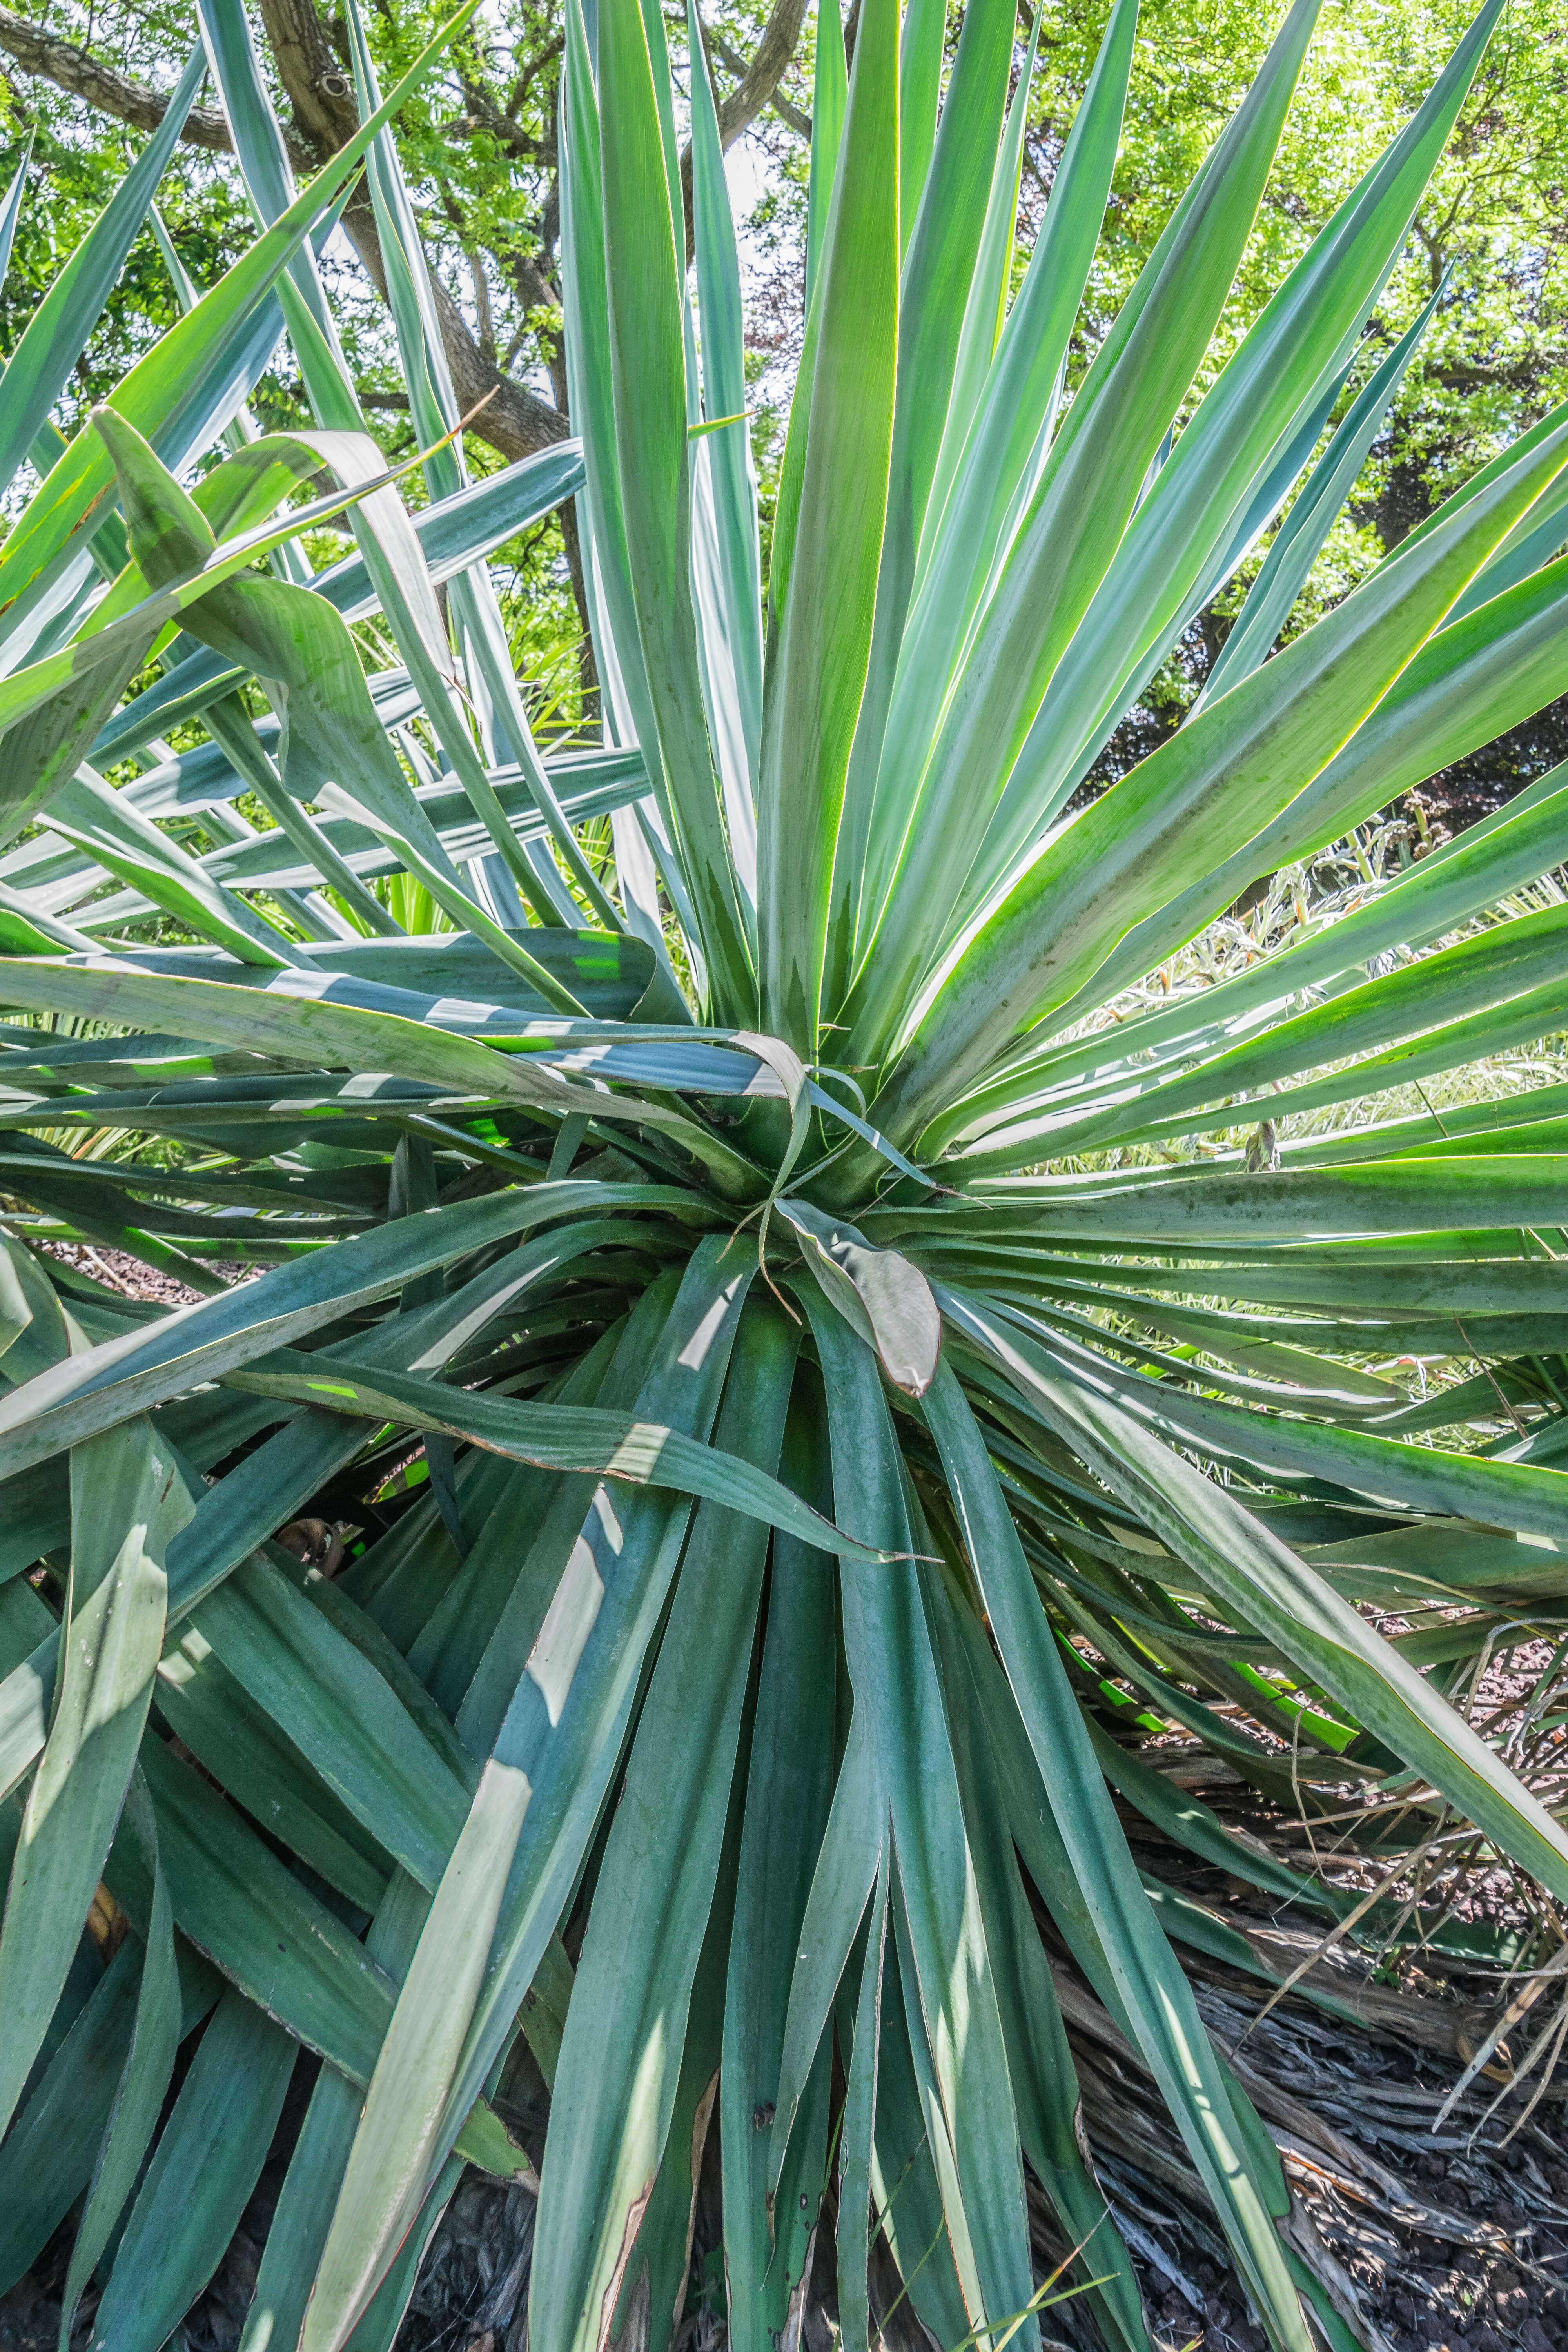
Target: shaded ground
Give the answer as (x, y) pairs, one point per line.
(1441, 2238)
(1444, 2237)
(118, 1270)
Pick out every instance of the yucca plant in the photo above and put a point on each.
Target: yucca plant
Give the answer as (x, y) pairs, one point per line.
(830, 1465)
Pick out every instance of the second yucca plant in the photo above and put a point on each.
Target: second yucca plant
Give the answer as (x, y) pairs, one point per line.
(815, 1469)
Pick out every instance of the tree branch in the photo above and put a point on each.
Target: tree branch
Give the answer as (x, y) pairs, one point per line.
(38, 51)
(769, 61)
(781, 37)
(1521, 376)
(788, 113)
(484, 114)
(515, 422)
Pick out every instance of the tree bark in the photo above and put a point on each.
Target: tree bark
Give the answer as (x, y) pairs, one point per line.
(513, 420)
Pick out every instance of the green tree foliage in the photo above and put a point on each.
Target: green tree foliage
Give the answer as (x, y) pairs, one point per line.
(479, 148)
(1493, 221)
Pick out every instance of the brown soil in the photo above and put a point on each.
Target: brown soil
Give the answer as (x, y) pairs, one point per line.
(1443, 2238)
(116, 1270)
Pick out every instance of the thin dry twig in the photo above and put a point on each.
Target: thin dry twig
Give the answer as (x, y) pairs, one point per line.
(1520, 2006)
(1342, 1927)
